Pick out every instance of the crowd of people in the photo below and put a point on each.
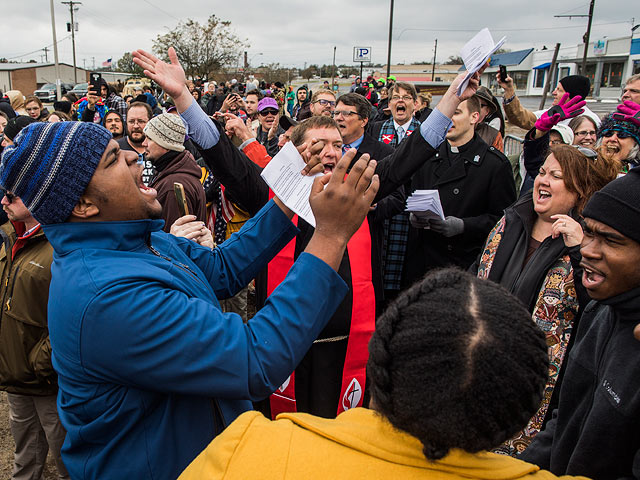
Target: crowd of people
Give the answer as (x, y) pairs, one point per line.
(495, 341)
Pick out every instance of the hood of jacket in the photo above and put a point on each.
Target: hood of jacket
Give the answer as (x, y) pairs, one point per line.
(366, 431)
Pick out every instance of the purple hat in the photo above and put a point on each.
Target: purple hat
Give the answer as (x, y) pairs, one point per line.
(267, 102)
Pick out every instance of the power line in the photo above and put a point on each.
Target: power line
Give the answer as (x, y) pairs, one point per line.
(39, 49)
(161, 10)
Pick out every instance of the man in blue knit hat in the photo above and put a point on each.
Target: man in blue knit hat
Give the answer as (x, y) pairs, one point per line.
(149, 368)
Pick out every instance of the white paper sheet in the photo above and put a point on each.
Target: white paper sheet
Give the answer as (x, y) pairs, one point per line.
(283, 176)
(476, 52)
(425, 204)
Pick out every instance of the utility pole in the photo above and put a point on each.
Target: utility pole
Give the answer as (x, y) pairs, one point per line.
(333, 69)
(55, 50)
(433, 67)
(389, 47)
(93, 59)
(585, 37)
(547, 83)
(71, 3)
(46, 57)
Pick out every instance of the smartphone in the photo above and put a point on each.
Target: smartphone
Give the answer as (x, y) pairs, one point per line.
(503, 73)
(178, 189)
(95, 80)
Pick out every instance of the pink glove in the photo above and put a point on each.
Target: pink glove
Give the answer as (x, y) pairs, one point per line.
(631, 111)
(565, 109)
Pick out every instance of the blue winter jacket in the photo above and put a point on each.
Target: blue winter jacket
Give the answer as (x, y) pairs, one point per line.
(150, 369)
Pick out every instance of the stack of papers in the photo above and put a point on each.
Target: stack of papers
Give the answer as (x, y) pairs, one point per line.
(283, 176)
(425, 204)
(476, 53)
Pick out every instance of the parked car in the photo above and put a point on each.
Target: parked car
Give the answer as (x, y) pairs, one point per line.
(48, 92)
(80, 90)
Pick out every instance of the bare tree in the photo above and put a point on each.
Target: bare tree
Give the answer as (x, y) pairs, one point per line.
(125, 64)
(202, 49)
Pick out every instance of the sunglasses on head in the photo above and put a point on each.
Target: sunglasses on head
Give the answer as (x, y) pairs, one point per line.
(268, 111)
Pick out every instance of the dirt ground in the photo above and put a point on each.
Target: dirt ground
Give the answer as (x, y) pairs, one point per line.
(7, 447)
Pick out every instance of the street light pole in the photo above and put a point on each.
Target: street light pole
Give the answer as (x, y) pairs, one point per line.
(55, 50)
(389, 47)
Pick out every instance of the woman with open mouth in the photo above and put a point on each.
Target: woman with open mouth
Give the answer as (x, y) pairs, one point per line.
(534, 252)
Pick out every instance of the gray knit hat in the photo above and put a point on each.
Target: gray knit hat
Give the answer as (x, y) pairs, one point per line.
(167, 130)
(50, 165)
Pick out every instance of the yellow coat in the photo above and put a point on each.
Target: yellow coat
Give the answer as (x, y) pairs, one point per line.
(359, 444)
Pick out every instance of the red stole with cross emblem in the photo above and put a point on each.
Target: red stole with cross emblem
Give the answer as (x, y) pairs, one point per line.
(363, 314)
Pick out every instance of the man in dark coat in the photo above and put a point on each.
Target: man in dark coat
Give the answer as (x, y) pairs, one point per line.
(164, 148)
(594, 430)
(475, 185)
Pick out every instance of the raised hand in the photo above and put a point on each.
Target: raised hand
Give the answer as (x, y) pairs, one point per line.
(630, 111)
(566, 108)
(170, 76)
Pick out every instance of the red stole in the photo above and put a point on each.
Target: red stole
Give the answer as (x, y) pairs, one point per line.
(363, 313)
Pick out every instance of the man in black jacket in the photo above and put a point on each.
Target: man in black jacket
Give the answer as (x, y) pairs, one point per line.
(475, 185)
(594, 430)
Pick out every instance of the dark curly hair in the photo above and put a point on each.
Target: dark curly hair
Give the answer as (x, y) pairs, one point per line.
(457, 362)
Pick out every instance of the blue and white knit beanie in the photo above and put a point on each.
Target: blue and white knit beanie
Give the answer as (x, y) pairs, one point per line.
(50, 165)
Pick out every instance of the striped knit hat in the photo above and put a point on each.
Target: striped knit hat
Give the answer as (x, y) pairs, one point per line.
(167, 130)
(51, 164)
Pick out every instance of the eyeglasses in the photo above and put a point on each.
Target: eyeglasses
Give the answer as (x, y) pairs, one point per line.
(344, 113)
(324, 102)
(268, 111)
(585, 133)
(6, 193)
(620, 133)
(406, 98)
(135, 121)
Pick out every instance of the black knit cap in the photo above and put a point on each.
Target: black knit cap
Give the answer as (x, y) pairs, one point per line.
(576, 85)
(618, 205)
(14, 125)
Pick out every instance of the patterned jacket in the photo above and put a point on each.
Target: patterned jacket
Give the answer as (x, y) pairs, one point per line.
(546, 286)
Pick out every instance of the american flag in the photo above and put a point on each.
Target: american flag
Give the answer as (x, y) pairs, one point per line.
(107, 63)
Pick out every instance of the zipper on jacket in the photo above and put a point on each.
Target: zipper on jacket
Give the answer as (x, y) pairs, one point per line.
(13, 282)
(182, 266)
(597, 379)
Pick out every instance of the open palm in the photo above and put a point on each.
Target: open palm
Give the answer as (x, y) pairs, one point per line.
(170, 76)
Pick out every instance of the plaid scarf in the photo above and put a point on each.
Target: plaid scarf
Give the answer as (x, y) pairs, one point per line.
(396, 228)
(389, 135)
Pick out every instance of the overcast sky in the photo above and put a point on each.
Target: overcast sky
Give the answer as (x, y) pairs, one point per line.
(294, 32)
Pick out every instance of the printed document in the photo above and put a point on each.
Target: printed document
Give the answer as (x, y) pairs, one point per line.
(476, 53)
(283, 176)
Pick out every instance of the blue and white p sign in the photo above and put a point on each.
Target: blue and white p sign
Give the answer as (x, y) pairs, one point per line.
(361, 54)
